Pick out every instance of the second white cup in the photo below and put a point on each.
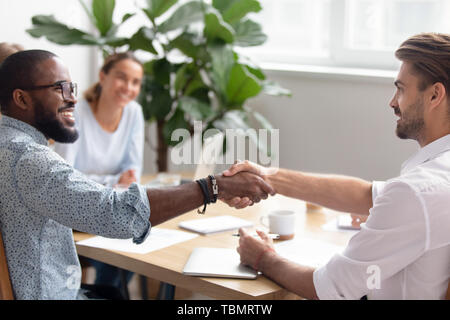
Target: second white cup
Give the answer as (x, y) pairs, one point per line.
(281, 222)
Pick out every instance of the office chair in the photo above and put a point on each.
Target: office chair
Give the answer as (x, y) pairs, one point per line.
(6, 292)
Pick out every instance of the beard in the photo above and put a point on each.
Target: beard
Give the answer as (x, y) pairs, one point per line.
(412, 122)
(48, 123)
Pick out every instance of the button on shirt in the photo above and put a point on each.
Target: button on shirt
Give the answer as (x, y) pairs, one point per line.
(41, 199)
(403, 250)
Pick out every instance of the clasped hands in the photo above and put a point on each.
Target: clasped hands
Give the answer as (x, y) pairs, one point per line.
(244, 184)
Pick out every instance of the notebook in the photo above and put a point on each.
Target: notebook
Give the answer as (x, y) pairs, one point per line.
(217, 262)
(215, 224)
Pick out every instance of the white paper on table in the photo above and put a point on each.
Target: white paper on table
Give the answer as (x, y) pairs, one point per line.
(308, 252)
(159, 238)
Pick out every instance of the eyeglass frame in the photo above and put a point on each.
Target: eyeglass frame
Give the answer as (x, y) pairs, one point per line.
(60, 84)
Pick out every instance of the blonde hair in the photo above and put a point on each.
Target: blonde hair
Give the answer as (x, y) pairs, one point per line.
(429, 54)
(92, 95)
(7, 49)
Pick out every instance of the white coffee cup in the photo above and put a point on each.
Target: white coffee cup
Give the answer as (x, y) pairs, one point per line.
(281, 222)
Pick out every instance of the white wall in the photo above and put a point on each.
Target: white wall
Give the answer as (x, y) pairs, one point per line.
(331, 124)
(336, 124)
(15, 17)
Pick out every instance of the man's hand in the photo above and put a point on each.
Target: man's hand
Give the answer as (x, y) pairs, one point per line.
(248, 166)
(252, 249)
(358, 219)
(127, 178)
(245, 166)
(243, 185)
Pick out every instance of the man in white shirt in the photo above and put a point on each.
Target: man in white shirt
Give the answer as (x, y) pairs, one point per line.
(403, 250)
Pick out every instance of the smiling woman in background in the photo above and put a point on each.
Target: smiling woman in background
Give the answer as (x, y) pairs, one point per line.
(111, 127)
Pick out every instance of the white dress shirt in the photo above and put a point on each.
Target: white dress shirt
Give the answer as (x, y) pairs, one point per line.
(403, 250)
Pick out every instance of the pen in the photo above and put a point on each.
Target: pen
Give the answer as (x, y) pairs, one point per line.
(273, 236)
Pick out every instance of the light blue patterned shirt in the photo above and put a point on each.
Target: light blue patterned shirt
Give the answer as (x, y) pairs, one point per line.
(41, 199)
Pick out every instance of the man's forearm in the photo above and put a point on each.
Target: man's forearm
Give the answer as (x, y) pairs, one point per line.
(168, 203)
(293, 277)
(339, 193)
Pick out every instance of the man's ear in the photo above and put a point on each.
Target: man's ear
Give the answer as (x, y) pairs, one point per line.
(438, 94)
(22, 99)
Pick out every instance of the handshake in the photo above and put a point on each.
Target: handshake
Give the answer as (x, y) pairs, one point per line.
(244, 184)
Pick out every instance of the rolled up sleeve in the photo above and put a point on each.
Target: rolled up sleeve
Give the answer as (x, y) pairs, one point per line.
(137, 198)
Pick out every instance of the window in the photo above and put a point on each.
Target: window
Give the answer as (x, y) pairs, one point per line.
(346, 33)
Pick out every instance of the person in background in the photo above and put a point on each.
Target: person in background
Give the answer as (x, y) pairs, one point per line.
(403, 249)
(7, 49)
(110, 146)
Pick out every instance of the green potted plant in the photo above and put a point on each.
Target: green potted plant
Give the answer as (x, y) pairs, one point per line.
(195, 73)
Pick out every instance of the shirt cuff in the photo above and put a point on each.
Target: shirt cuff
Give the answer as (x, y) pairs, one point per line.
(137, 198)
(324, 286)
(377, 187)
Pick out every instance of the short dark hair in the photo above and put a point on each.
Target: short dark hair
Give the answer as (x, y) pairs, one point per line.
(20, 70)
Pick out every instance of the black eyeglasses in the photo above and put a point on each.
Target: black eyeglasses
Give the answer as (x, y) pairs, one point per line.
(67, 88)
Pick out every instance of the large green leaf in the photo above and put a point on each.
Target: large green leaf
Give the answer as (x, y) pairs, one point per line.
(181, 78)
(251, 67)
(196, 109)
(185, 78)
(158, 7)
(222, 63)
(58, 32)
(143, 40)
(248, 33)
(241, 86)
(188, 44)
(103, 11)
(114, 41)
(216, 28)
(161, 103)
(223, 5)
(162, 70)
(184, 15)
(239, 9)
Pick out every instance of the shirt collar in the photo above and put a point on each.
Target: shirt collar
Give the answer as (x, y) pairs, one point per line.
(35, 134)
(427, 153)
